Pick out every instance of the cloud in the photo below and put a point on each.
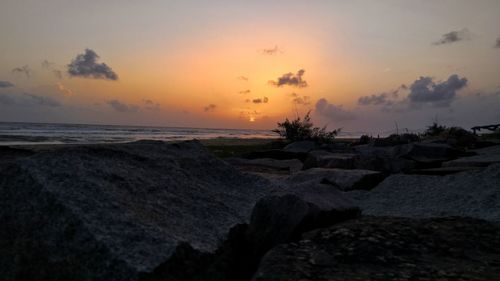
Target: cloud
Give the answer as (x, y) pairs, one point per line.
(210, 108)
(151, 105)
(86, 66)
(263, 100)
(6, 99)
(291, 80)
(6, 84)
(497, 45)
(425, 90)
(65, 91)
(122, 107)
(41, 100)
(454, 36)
(243, 78)
(373, 99)
(271, 52)
(50, 66)
(333, 112)
(25, 69)
(245, 92)
(304, 100)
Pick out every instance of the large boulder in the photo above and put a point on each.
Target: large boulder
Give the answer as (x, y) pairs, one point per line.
(341, 179)
(485, 157)
(473, 194)
(385, 248)
(301, 146)
(324, 159)
(113, 212)
(266, 165)
(388, 159)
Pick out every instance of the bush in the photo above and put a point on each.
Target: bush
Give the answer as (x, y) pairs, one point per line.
(301, 129)
(434, 130)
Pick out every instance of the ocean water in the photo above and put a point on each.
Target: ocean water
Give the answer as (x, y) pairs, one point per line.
(49, 133)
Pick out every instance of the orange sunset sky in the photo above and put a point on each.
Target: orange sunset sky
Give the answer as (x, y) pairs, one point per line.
(359, 65)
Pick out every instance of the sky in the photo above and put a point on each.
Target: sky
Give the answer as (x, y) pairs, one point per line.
(356, 65)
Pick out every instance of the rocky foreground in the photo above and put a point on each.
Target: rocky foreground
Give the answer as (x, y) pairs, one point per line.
(155, 211)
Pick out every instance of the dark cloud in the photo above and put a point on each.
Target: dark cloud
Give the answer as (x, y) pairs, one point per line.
(6, 84)
(373, 99)
(333, 112)
(454, 36)
(425, 90)
(41, 100)
(497, 45)
(291, 80)
(210, 108)
(122, 107)
(26, 99)
(245, 92)
(151, 105)
(25, 69)
(243, 78)
(86, 66)
(272, 51)
(263, 100)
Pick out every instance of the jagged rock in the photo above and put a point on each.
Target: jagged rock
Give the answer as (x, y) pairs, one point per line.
(384, 159)
(301, 146)
(268, 165)
(110, 212)
(340, 178)
(275, 154)
(443, 171)
(324, 159)
(485, 157)
(471, 194)
(385, 248)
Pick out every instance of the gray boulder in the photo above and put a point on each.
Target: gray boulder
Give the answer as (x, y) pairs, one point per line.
(385, 159)
(388, 248)
(342, 179)
(268, 165)
(472, 194)
(113, 212)
(324, 159)
(301, 146)
(485, 157)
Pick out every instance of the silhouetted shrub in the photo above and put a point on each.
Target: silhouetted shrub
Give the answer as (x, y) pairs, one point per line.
(301, 129)
(434, 130)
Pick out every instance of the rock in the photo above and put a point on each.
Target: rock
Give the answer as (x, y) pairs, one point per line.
(384, 159)
(275, 154)
(342, 179)
(283, 217)
(387, 248)
(472, 194)
(301, 146)
(323, 159)
(443, 171)
(485, 157)
(10, 154)
(110, 212)
(266, 165)
(421, 152)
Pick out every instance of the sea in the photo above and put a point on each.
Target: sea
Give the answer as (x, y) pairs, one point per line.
(52, 133)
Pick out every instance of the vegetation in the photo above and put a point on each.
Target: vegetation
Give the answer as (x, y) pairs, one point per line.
(301, 129)
(434, 130)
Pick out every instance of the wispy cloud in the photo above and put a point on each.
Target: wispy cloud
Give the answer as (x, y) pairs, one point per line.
(65, 91)
(26, 99)
(454, 36)
(243, 78)
(123, 107)
(260, 100)
(52, 67)
(151, 105)
(290, 79)
(25, 69)
(497, 45)
(210, 108)
(6, 84)
(271, 51)
(85, 65)
(244, 92)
